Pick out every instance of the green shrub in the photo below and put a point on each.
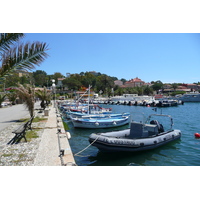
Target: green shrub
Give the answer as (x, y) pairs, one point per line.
(177, 93)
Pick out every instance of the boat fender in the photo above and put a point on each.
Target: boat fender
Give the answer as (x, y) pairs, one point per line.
(68, 135)
(96, 123)
(197, 135)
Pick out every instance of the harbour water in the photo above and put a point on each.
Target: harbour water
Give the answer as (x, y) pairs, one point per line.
(184, 152)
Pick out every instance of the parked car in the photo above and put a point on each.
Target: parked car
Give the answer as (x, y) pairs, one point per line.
(3, 104)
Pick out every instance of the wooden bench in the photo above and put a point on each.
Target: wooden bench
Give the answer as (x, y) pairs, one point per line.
(20, 132)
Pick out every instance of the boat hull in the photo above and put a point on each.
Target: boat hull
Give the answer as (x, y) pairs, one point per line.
(99, 115)
(121, 144)
(100, 123)
(191, 97)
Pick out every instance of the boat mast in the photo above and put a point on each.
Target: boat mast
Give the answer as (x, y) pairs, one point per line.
(89, 99)
(82, 95)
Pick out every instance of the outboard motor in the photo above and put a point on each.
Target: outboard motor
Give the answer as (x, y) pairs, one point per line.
(160, 126)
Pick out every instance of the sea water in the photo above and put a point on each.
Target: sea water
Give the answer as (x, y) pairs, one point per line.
(183, 152)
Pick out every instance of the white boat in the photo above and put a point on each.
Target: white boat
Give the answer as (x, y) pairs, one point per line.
(97, 115)
(132, 97)
(167, 103)
(94, 110)
(140, 137)
(105, 122)
(190, 97)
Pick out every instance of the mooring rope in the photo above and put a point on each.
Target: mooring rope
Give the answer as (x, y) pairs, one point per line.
(86, 148)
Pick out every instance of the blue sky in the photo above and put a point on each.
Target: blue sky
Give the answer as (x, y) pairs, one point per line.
(153, 40)
(169, 57)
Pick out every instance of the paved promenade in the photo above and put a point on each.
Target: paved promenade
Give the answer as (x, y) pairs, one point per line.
(52, 142)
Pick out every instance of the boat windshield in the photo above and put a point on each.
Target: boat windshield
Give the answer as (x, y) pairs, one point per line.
(165, 120)
(138, 117)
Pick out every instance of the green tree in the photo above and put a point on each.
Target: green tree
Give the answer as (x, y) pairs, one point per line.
(140, 90)
(73, 82)
(118, 90)
(113, 78)
(49, 80)
(40, 78)
(174, 86)
(157, 85)
(57, 75)
(19, 56)
(147, 90)
(12, 80)
(88, 79)
(123, 80)
(82, 73)
(104, 83)
(26, 79)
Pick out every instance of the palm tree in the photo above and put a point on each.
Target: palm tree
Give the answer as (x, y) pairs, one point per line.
(27, 94)
(174, 86)
(44, 95)
(12, 96)
(19, 56)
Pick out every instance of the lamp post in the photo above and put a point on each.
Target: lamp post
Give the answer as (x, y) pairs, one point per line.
(112, 91)
(100, 92)
(54, 91)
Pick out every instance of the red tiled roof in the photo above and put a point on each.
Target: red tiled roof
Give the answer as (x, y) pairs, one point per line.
(61, 79)
(135, 80)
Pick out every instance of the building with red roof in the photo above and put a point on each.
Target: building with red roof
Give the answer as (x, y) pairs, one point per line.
(136, 82)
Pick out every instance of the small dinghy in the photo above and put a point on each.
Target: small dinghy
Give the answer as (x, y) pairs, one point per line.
(140, 137)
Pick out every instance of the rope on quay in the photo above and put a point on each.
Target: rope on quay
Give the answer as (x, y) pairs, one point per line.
(86, 148)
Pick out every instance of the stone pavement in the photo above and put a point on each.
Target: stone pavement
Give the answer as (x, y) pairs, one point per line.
(52, 142)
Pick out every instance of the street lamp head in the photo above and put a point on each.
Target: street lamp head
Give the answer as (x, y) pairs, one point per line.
(53, 80)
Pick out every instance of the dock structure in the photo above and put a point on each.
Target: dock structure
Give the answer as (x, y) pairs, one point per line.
(54, 148)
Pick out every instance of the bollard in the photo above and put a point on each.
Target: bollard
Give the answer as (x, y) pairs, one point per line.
(62, 152)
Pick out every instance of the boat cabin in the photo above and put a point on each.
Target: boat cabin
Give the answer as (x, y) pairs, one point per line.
(140, 130)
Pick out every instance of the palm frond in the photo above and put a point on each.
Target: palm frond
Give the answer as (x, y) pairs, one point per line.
(23, 57)
(7, 39)
(27, 94)
(2, 98)
(12, 96)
